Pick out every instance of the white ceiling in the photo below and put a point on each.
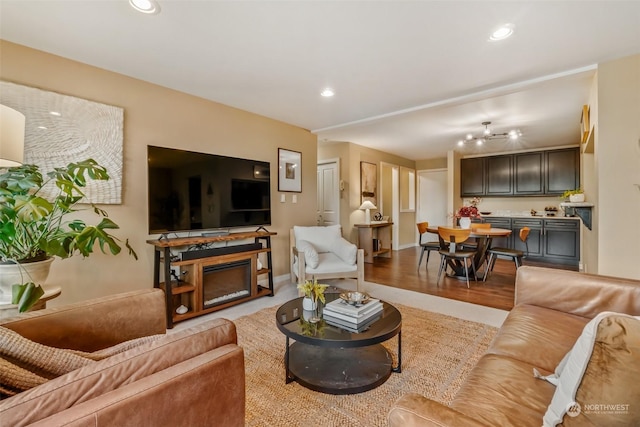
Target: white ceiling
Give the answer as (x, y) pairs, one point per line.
(410, 77)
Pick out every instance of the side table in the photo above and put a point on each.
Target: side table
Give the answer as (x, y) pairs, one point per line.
(11, 310)
(375, 239)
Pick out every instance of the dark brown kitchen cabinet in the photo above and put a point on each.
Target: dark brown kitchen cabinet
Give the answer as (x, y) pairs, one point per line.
(534, 241)
(562, 170)
(535, 173)
(472, 176)
(562, 241)
(528, 174)
(498, 173)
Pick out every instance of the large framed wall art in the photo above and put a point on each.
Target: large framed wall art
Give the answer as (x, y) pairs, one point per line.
(369, 182)
(60, 129)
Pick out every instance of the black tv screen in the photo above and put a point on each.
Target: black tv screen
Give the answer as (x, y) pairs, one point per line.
(197, 191)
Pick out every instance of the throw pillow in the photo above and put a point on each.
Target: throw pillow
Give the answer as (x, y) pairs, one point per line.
(598, 381)
(311, 257)
(25, 364)
(345, 250)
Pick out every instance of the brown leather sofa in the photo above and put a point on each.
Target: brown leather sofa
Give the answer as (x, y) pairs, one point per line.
(191, 377)
(551, 309)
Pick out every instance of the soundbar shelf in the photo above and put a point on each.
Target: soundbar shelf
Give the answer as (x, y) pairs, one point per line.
(191, 293)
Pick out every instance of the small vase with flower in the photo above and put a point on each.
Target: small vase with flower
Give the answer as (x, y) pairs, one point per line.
(466, 213)
(313, 296)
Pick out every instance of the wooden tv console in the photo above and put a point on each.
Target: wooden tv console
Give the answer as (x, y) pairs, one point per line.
(190, 292)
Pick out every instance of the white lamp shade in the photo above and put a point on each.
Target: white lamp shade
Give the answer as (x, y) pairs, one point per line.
(11, 137)
(367, 205)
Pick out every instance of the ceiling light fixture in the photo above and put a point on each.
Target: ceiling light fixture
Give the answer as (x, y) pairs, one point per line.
(502, 32)
(145, 6)
(327, 93)
(488, 135)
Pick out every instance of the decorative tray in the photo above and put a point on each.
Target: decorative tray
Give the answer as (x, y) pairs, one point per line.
(355, 298)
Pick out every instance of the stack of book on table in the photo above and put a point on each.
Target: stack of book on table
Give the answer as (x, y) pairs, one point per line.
(350, 317)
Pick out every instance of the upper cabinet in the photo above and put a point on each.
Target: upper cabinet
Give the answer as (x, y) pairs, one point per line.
(472, 176)
(537, 173)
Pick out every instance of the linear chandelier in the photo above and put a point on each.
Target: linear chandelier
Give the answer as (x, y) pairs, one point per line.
(488, 135)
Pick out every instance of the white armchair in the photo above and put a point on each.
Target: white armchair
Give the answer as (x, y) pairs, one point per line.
(323, 253)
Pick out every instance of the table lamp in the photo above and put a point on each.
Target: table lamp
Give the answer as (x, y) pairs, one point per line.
(367, 206)
(11, 137)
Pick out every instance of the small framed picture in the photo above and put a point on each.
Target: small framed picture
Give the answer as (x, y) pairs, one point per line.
(289, 171)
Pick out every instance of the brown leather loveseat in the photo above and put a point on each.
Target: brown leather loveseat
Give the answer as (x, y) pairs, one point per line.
(191, 377)
(551, 310)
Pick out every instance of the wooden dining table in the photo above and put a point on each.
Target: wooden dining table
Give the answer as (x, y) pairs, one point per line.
(483, 237)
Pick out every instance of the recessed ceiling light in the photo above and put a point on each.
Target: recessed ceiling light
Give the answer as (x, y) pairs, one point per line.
(55, 113)
(502, 32)
(145, 6)
(327, 93)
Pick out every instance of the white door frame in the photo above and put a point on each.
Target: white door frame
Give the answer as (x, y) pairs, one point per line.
(395, 202)
(419, 211)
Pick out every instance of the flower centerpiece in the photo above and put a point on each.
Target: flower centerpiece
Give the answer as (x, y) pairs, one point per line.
(466, 213)
(313, 292)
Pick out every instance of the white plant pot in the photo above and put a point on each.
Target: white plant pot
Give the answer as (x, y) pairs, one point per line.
(465, 222)
(576, 198)
(308, 304)
(17, 274)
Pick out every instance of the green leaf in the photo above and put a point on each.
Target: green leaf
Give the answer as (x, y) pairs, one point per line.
(31, 209)
(26, 295)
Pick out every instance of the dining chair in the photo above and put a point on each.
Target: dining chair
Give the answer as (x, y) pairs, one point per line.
(454, 237)
(515, 254)
(475, 226)
(426, 246)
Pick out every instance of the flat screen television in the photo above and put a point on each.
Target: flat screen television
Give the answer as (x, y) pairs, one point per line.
(191, 191)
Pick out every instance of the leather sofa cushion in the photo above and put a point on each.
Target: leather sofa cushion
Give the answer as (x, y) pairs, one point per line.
(209, 387)
(110, 374)
(501, 391)
(601, 374)
(537, 335)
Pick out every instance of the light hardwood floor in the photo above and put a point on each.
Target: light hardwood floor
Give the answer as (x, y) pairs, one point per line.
(401, 271)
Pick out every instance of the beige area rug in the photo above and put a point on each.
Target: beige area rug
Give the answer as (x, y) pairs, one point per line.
(438, 352)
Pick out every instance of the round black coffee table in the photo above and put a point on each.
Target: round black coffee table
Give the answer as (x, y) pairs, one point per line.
(331, 359)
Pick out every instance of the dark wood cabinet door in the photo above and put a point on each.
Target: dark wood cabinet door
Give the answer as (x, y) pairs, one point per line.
(499, 176)
(562, 170)
(528, 173)
(562, 241)
(505, 241)
(534, 241)
(472, 173)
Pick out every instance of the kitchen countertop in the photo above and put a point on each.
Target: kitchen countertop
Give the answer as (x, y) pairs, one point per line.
(539, 216)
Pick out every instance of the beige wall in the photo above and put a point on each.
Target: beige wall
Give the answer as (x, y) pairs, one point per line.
(431, 164)
(350, 157)
(159, 116)
(617, 164)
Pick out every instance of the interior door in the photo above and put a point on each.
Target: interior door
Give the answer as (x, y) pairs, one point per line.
(328, 203)
(432, 197)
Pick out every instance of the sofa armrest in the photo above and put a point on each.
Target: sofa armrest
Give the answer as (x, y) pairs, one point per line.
(116, 372)
(416, 410)
(208, 389)
(576, 293)
(95, 324)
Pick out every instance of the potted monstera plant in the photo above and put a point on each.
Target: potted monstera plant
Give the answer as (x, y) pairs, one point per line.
(34, 228)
